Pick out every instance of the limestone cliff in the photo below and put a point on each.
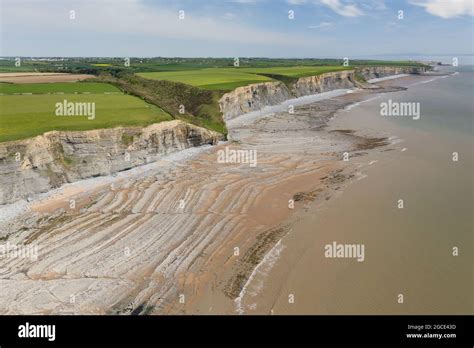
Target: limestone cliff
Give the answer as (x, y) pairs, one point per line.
(252, 97)
(383, 71)
(47, 161)
(324, 83)
(256, 96)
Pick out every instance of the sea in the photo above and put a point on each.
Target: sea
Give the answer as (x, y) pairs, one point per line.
(411, 208)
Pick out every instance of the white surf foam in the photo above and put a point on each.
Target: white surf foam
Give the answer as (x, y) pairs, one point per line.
(267, 111)
(351, 106)
(380, 79)
(434, 79)
(262, 268)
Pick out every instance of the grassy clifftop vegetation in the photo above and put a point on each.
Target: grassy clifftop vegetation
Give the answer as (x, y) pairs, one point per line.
(182, 88)
(86, 65)
(27, 115)
(182, 101)
(227, 79)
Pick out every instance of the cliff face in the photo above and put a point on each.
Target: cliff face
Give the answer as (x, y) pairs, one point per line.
(54, 158)
(323, 83)
(253, 97)
(383, 71)
(256, 96)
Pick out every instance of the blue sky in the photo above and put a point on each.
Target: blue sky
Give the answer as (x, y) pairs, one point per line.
(219, 28)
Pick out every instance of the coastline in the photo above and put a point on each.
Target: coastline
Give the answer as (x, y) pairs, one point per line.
(192, 254)
(324, 287)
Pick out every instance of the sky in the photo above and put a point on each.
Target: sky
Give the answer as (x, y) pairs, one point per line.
(236, 28)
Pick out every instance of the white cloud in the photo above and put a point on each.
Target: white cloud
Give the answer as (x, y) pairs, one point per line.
(296, 2)
(320, 25)
(349, 10)
(377, 5)
(446, 8)
(228, 15)
(136, 17)
(244, 1)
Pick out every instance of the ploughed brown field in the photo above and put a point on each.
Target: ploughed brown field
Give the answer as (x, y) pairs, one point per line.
(31, 77)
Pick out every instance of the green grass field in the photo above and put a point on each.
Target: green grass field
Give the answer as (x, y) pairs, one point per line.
(296, 71)
(138, 65)
(201, 105)
(154, 88)
(229, 78)
(59, 87)
(25, 116)
(213, 78)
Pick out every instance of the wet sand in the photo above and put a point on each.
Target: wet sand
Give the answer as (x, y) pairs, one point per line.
(407, 251)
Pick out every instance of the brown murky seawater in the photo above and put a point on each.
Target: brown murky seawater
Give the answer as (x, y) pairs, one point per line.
(408, 251)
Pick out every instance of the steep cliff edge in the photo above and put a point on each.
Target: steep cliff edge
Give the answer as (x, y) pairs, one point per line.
(48, 161)
(374, 72)
(256, 96)
(252, 97)
(324, 83)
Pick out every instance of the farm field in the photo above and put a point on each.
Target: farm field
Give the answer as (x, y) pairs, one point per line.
(212, 78)
(28, 109)
(60, 87)
(230, 78)
(96, 65)
(34, 77)
(25, 116)
(296, 71)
